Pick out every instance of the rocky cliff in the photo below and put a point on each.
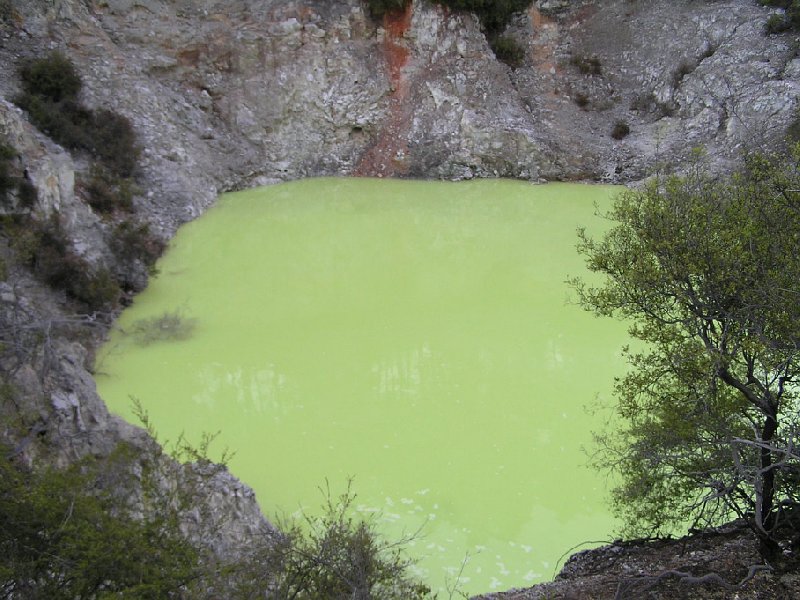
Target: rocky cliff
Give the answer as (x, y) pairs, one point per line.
(225, 94)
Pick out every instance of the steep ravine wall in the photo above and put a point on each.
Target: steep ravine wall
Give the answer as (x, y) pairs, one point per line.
(225, 94)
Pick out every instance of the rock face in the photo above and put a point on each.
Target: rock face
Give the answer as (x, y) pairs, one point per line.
(225, 94)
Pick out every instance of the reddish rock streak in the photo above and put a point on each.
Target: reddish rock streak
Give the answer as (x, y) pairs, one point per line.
(385, 157)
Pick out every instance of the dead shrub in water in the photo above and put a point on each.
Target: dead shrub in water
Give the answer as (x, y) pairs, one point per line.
(170, 326)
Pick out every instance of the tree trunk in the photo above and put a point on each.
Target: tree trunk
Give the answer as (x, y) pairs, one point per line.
(765, 490)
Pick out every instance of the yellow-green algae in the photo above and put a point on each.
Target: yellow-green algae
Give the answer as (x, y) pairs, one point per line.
(416, 336)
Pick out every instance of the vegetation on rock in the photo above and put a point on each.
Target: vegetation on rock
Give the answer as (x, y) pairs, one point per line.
(50, 96)
(494, 16)
(69, 534)
(788, 21)
(706, 270)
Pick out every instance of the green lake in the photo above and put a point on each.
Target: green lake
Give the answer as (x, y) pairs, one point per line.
(415, 336)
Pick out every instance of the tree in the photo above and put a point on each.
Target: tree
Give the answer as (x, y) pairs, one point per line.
(707, 271)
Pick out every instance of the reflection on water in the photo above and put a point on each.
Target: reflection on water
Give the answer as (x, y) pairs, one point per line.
(412, 335)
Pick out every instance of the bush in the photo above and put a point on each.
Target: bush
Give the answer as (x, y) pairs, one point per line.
(378, 8)
(106, 193)
(587, 65)
(7, 182)
(508, 50)
(621, 130)
(27, 193)
(6, 11)
(50, 89)
(45, 248)
(65, 536)
(131, 242)
(113, 141)
(53, 77)
(581, 99)
(789, 20)
(334, 557)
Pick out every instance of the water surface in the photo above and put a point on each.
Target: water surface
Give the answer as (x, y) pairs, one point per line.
(416, 336)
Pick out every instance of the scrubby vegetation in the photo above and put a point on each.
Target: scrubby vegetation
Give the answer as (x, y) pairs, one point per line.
(788, 21)
(43, 246)
(51, 86)
(76, 533)
(50, 97)
(620, 130)
(587, 65)
(106, 528)
(335, 556)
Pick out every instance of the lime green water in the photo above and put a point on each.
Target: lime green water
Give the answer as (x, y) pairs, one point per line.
(416, 336)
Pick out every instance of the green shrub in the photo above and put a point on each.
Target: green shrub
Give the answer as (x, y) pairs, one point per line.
(113, 141)
(789, 20)
(26, 193)
(50, 89)
(620, 130)
(7, 182)
(378, 8)
(587, 65)
(508, 50)
(581, 99)
(53, 77)
(44, 247)
(6, 11)
(107, 193)
(131, 242)
(333, 557)
(71, 534)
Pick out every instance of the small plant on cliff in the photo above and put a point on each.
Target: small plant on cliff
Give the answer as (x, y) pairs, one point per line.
(13, 184)
(53, 78)
(788, 21)
(378, 8)
(620, 130)
(587, 65)
(508, 50)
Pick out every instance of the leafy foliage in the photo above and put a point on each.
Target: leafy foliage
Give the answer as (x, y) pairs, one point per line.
(494, 15)
(53, 78)
(706, 271)
(334, 557)
(378, 8)
(508, 50)
(50, 91)
(45, 248)
(788, 21)
(63, 536)
(620, 130)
